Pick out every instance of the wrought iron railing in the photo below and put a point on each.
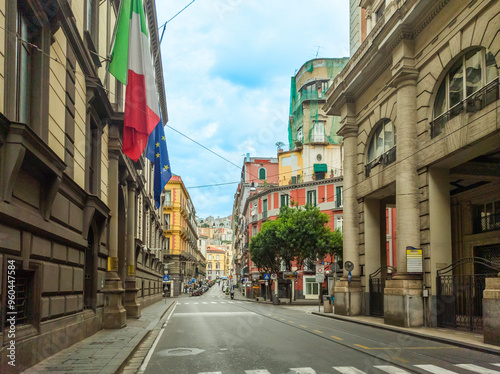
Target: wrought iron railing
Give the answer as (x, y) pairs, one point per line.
(471, 104)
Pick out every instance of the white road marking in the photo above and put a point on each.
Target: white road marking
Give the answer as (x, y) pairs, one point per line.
(435, 369)
(348, 370)
(144, 365)
(477, 369)
(204, 302)
(303, 370)
(213, 302)
(257, 372)
(212, 372)
(214, 314)
(186, 303)
(391, 369)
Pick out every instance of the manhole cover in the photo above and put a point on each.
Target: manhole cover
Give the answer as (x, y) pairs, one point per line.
(180, 352)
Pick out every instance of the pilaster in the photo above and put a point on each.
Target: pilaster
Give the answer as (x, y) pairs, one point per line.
(114, 315)
(132, 306)
(491, 311)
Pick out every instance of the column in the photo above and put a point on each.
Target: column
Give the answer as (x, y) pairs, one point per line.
(403, 302)
(348, 294)
(372, 225)
(114, 315)
(440, 233)
(131, 304)
(491, 311)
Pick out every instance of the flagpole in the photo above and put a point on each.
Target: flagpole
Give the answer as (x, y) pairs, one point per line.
(108, 56)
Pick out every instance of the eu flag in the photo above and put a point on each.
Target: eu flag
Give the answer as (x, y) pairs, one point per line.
(156, 152)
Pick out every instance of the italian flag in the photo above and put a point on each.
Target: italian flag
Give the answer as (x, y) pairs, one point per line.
(131, 64)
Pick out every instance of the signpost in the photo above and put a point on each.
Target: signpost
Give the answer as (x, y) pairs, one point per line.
(349, 266)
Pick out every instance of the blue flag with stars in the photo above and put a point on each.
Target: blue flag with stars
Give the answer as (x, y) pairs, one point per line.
(156, 152)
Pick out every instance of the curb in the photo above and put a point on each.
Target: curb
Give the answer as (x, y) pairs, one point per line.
(475, 347)
(146, 336)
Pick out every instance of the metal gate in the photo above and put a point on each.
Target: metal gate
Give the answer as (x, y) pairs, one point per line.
(460, 293)
(377, 285)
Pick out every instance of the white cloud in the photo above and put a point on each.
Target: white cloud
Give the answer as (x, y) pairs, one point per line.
(227, 68)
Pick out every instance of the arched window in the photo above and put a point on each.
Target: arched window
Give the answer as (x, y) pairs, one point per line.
(381, 146)
(382, 140)
(262, 174)
(470, 84)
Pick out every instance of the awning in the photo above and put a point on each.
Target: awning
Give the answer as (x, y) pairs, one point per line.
(320, 168)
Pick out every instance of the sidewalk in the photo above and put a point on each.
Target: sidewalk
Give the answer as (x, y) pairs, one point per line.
(107, 350)
(456, 337)
(461, 338)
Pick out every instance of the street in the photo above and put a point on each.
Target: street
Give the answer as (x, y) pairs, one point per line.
(212, 334)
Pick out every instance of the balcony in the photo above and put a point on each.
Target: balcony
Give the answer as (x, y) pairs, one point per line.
(474, 103)
(385, 159)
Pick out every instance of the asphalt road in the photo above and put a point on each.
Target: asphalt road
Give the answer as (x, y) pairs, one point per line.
(212, 334)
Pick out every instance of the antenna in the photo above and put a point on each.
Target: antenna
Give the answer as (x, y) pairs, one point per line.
(317, 52)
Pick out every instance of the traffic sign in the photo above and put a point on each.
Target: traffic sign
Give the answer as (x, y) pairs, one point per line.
(274, 276)
(320, 278)
(289, 275)
(349, 277)
(165, 278)
(349, 266)
(266, 276)
(320, 269)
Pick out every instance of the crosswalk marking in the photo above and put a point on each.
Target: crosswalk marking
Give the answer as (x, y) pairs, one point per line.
(477, 369)
(213, 302)
(186, 303)
(348, 370)
(222, 302)
(196, 303)
(435, 369)
(391, 369)
(204, 302)
(303, 370)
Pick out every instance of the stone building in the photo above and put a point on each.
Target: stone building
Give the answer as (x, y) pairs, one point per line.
(184, 257)
(77, 220)
(419, 113)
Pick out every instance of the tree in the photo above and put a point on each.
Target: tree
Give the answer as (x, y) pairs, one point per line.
(265, 248)
(309, 238)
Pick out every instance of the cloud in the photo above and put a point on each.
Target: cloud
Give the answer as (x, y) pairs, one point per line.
(227, 68)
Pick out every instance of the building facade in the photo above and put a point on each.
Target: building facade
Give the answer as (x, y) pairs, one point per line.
(315, 148)
(433, 81)
(216, 263)
(185, 260)
(78, 224)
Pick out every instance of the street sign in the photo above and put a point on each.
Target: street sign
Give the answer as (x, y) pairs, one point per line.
(165, 278)
(349, 277)
(320, 269)
(349, 266)
(266, 276)
(320, 278)
(289, 275)
(274, 276)
(255, 276)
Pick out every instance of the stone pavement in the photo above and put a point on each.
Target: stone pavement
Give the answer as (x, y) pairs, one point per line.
(107, 351)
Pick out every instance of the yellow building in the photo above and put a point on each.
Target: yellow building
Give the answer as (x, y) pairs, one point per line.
(216, 263)
(185, 261)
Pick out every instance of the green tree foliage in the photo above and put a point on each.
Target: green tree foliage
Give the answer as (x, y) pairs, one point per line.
(298, 234)
(265, 248)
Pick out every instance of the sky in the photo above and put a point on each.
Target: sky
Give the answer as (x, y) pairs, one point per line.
(227, 66)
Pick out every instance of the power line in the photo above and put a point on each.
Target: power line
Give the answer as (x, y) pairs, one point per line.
(165, 24)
